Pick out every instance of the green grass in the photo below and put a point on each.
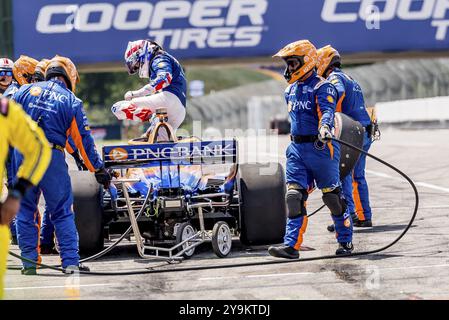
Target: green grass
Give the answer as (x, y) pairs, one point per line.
(220, 78)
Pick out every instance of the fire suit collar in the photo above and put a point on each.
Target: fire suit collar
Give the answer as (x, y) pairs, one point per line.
(309, 79)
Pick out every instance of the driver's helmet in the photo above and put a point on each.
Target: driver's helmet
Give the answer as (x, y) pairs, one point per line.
(138, 56)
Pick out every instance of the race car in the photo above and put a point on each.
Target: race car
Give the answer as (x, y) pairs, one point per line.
(173, 201)
(181, 203)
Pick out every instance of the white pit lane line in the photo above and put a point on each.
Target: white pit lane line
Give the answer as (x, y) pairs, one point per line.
(376, 173)
(420, 184)
(65, 286)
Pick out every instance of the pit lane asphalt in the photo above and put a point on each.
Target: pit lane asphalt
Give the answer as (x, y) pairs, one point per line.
(416, 268)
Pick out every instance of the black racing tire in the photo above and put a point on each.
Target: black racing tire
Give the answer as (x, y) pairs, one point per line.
(184, 230)
(87, 199)
(221, 239)
(262, 204)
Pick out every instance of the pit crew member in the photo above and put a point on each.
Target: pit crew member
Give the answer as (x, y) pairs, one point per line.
(56, 109)
(350, 102)
(311, 156)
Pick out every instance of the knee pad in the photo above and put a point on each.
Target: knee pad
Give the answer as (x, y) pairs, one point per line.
(335, 202)
(295, 199)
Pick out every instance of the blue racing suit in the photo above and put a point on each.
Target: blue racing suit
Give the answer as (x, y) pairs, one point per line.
(352, 103)
(47, 227)
(60, 114)
(167, 75)
(310, 104)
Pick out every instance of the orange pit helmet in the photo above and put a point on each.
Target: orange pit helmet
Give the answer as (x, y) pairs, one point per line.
(64, 67)
(23, 69)
(39, 71)
(327, 57)
(301, 57)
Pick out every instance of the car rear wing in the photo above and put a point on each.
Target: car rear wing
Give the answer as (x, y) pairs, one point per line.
(178, 153)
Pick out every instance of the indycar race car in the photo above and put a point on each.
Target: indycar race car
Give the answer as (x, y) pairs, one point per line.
(166, 193)
(173, 204)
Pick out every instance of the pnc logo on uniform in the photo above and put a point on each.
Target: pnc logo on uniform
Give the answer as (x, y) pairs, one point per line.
(118, 154)
(35, 91)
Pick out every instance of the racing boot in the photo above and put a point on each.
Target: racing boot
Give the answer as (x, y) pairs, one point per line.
(48, 249)
(31, 271)
(283, 252)
(363, 223)
(344, 248)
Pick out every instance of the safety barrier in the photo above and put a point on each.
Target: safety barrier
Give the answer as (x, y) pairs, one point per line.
(415, 110)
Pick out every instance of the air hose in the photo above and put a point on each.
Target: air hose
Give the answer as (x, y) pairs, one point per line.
(271, 262)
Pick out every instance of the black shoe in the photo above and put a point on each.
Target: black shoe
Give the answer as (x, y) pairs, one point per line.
(14, 240)
(331, 228)
(344, 248)
(363, 224)
(354, 217)
(73, 269)
(31, 271)
(47, 249)
(284, 252)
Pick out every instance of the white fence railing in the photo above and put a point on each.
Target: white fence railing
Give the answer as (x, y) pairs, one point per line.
(426, 109)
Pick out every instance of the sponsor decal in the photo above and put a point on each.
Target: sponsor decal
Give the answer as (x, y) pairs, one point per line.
(433, 11)
(300, 105)
(118, 154)
(213, 24)
(172, 152)
(35, 91)
(347, 223)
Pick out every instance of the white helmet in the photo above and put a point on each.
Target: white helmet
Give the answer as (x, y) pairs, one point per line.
(139, 54)
(6, 64)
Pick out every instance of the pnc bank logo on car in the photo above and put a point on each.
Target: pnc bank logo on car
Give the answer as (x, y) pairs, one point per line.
(349, 11)
(118, 154)
(213, 24)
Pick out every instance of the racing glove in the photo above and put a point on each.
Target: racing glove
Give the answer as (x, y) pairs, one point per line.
(129, 96)
(325, 133)
(79, 163)
(144, 91)
(103, 177)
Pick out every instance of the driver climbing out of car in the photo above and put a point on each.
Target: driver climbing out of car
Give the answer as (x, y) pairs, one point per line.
(311, 155)
(167, 87)
(56, 109)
